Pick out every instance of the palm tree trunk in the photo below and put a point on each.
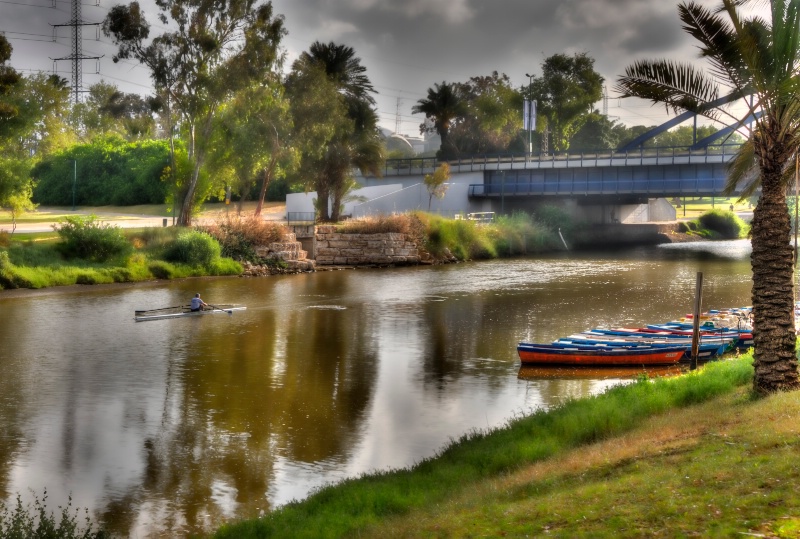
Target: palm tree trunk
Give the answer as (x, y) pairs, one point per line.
(774, 334)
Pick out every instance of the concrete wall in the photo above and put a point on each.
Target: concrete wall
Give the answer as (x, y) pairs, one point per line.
(416, 197)
(304, 202)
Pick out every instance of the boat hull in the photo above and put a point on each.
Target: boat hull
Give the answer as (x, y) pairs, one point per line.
(143, 316)
(540, 354)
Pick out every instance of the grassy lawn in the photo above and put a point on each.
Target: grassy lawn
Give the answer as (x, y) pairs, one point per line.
(695, 207)
(694, 455)
(46, 214)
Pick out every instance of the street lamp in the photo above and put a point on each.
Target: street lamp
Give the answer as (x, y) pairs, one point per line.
(528, 104)
(74, 181)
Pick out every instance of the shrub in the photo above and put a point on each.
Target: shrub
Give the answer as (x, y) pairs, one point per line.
(161, 269)
(725, 223)
(87, 238)
(154, 239)
(239, 237)
(195, 248)
(225, 266)
(400, 223)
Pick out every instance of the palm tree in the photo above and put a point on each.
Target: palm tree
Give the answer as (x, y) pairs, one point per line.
(356, 144)
(756, 61)
(443, 105)
(343, 67)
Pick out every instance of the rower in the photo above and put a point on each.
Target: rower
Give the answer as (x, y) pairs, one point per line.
(197, 303)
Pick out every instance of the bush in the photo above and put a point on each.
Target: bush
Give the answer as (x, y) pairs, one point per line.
(161, 269)
(239, 237)
(195, 248)
(87, 238)
(725, 223)
(400, 223)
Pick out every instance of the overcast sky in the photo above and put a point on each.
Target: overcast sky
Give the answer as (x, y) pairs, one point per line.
(406, 45)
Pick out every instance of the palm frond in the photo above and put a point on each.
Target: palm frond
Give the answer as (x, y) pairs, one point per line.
(678, 86)
(743, 172)
(719, 41)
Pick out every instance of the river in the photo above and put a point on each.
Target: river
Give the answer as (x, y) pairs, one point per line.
(166, 428)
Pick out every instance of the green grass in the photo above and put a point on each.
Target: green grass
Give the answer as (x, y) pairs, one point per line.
(40, 264)
(695, 207)
(437, 497)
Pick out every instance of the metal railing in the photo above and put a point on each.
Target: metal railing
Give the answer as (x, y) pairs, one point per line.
(295, 218)
(719, 153)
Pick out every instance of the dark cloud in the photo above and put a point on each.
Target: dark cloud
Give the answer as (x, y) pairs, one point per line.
(408, 45)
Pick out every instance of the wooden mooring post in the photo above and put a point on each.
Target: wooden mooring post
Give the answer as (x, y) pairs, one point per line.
(698, 300)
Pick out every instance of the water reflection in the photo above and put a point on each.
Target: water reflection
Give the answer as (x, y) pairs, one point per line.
(532, 372)
(171, 427)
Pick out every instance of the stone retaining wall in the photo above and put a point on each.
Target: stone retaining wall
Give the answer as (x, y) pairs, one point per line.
(336, 249)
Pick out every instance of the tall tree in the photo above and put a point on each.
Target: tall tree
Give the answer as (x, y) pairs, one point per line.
(32, 110)
(345, 131)
(755, 61)
(252, 139)
(565, 93)
(218, 47)
(443, 105)
(490, 120)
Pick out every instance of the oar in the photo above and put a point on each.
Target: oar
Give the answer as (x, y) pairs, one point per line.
(217, 308)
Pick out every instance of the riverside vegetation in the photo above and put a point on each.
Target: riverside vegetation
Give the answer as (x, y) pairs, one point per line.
(84, 250)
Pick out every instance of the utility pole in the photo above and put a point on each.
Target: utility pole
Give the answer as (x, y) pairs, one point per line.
(397, 118)
(77, 24)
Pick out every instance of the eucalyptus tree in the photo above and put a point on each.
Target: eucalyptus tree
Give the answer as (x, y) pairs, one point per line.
(565, 93)
(252, 139)
(443, 105)
(216, 48)
(335, 121)
(754, 61)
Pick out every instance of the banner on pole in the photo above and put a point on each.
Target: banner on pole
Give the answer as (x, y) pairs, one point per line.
(529, 115)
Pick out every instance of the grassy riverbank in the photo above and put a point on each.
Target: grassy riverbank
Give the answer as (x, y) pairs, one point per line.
(691, 455)
(40, 260)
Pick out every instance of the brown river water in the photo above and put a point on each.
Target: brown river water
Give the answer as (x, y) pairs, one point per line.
(172, 427)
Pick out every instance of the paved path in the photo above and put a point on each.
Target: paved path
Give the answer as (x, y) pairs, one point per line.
(124, 220)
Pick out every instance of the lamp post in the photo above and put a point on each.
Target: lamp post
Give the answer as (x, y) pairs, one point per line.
(74, 181)
(529, 102)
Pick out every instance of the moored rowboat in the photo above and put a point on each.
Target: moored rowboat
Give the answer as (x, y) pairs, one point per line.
(184, 311)
(546, 354)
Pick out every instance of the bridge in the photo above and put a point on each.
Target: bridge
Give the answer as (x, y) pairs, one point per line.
(638, 172)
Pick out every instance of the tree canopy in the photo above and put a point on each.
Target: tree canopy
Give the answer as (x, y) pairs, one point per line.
(565, 93)
(218, 48)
